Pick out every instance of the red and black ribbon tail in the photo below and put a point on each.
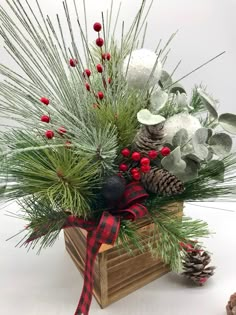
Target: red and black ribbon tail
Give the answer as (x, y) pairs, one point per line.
(106, 232)
(87, 293)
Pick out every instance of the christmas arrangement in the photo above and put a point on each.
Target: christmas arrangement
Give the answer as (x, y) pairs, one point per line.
(104, 136)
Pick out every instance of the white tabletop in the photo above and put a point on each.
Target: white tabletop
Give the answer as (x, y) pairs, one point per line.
(50, 284)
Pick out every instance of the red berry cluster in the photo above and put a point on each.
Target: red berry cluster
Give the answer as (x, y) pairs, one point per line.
(100, 67)
(49, 134)
(144, 163)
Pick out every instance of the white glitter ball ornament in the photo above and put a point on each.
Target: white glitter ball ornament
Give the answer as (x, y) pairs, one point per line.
(141, 64)
(180, 121)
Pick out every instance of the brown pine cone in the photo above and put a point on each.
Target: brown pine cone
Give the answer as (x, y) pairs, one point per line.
(195, 265)
(162, 182)
(231, 306)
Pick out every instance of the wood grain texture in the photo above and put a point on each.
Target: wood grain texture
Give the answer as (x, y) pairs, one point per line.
(116, 272)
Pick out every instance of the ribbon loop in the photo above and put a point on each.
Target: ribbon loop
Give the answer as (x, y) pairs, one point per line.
(107, 229)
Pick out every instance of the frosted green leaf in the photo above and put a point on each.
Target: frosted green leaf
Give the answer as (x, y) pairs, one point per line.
(180, 138)
(208, 102)
(158, 100)
(165, 79)
(221, 143)
(228, 122)
(177, 88)
(173, 162)
(145, 117)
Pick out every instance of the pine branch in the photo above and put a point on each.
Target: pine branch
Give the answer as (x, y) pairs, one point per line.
(44, 219)
(58, 174)
(169, 232)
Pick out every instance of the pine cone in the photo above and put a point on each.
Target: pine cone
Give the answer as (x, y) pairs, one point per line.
(195, 265)
(162, 182)
(231, 306)
(149, 138)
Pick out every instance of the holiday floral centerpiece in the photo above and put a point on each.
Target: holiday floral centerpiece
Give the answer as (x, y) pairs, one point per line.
(106, 137)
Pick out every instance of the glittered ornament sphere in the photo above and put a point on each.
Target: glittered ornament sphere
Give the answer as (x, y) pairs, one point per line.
(140, 67)
(113, 188)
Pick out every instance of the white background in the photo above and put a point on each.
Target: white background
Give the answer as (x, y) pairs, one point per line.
(50, 284)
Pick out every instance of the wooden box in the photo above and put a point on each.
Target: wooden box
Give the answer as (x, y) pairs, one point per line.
(117, 273)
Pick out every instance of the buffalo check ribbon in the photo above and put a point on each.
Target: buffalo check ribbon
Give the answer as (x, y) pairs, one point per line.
(130, 207)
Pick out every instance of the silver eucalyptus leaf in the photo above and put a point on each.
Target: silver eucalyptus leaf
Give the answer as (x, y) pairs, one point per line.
(194, 158)
(210, 154)
(177, 88)
(221, 144)
(173, 162)
(180, 138)
(201, 151)
(202, 135)
(165, 79)
(191, 170)
(159, 99)
(228, 122)
(199, 143)
(208, 102)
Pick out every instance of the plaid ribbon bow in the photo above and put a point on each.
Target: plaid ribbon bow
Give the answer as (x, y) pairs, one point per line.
(130, 208)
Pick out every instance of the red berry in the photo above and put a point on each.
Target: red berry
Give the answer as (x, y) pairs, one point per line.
(62, 130)
(97, 27)
(45, 119)
(145, 168)
(109, 80)
(99, 42)
(165, 151)
(134, 170)
(136, 176)
(99, 68)
(45, 100)
(49, 134)
(203, 280)
(145, 161)
(125, 152)
(100, 95)
(73, 62)
(106, 56)
(152, 154)
(87, 73)
(87, 86)
(136, 156)
(123, 167)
